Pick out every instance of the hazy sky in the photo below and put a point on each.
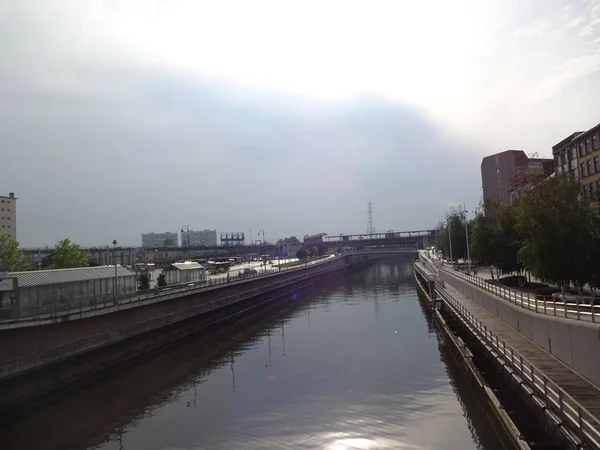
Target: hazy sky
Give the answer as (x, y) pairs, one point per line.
(121, 117)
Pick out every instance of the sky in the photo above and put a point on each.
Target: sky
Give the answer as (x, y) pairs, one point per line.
(119, 117)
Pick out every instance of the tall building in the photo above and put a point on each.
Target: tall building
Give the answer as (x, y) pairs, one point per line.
(8, 215)
(497, 172)
(205, 238)
(160, 240)
(579, 154)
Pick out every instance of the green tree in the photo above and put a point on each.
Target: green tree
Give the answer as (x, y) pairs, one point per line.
(483, 237)
(314, 252)
(557, 228)
(68, 255)
(508, 240)
(454, 229)
(144, 281)
(161, 281)
(11, 258)
(302, 254)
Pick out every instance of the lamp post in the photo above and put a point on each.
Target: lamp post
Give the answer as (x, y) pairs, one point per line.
(115, 261)
(251, 245)
(450, 241)
(467, 238)
(187, 227)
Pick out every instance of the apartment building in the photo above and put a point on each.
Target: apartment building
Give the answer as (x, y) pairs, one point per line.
(8, 216)
(204, 238)
(579, 154)
(160, 240)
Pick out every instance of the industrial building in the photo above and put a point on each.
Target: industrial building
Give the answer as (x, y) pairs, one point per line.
(185, 272)
(160, 240)
(8, 216)
(44, 291)
(204, 238)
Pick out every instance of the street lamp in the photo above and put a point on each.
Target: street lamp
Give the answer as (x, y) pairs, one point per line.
(187, 227)
(467, 238)
(115, 261)
(450, 241)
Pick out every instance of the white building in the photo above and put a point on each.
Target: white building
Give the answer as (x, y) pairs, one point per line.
(206, 238)
(8, 215)
(160, 240)
(185, 272)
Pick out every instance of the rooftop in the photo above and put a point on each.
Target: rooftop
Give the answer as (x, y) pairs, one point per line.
(187, 265)
(60, 276)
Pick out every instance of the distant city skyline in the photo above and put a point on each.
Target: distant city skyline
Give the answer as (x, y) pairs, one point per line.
(110, 128)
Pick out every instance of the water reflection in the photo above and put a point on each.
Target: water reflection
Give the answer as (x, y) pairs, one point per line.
(352, 365)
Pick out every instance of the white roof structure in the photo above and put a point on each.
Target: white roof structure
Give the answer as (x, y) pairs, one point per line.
(61, 276)
(187, 265)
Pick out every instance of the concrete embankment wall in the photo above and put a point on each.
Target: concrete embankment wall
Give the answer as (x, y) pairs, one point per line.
(574, 342)
(25, 349)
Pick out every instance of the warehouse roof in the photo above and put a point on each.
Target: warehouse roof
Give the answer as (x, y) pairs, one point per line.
(187, 265)
(58, 276)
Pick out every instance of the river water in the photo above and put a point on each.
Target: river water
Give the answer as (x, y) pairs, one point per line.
(351, 364)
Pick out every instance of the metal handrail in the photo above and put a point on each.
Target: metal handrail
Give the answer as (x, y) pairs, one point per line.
(531, 302)
(15, 315)
(568, 409)
(569, 310)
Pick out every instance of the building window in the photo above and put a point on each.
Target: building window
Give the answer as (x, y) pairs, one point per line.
(581, 153)
(588, 146)
(7, 226)
(595, 143)
(590, 171)
(2, 226)
(583, 171)
(586, 191)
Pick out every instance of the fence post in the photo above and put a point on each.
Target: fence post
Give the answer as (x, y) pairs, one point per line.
(554, 305)
(580, 421)
(521, 362)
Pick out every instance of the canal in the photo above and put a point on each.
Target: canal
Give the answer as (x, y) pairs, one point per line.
(352, 363)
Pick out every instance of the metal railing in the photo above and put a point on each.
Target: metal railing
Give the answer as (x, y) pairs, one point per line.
(16, 314)
(549, 394)
(532, 302)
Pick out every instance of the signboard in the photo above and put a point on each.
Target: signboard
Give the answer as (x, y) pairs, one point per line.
(7, 284)
(283, 255)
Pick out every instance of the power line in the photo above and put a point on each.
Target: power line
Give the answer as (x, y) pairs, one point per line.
(370, 223)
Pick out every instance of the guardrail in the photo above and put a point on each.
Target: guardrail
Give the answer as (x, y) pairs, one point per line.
(14, 315)
(569, 310)
(550, 395)
(526, 300)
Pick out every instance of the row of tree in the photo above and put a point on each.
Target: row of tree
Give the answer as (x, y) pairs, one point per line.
(66, 255)
(552, 232)
(313, 252)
